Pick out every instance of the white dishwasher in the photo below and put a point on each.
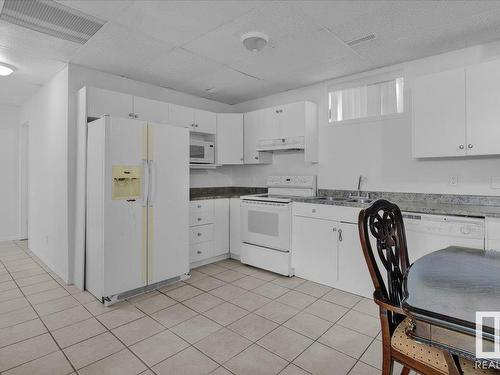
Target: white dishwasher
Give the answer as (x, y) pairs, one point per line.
(426, 233)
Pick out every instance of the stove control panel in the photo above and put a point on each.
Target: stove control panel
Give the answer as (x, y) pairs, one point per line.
(307, 182)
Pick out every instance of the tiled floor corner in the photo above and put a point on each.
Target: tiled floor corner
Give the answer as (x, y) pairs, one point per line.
(228, 318)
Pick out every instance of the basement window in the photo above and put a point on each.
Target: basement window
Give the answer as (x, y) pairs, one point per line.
(374, 98)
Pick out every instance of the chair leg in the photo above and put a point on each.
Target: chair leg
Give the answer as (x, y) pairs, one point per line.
(405, 371)
(387, 365)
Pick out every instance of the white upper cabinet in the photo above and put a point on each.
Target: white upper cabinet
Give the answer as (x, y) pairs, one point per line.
(483, 108)
(196, 120)
(181, 116)
(456, 113)
(251, 132)
(292, 120)
(439, 114)
(102, 102)
(151, 110)
(288, 127)
(269, 127)
(205, 121)
(229, 138)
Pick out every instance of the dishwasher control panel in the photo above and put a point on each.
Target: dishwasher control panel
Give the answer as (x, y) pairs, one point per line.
(445, 225)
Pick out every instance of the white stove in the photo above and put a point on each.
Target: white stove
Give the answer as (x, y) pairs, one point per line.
(266, 221)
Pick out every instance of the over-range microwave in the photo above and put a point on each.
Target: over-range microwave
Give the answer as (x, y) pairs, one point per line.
(201, 152)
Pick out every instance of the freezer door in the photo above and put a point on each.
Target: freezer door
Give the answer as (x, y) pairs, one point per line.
(168, 217)
(125, 225)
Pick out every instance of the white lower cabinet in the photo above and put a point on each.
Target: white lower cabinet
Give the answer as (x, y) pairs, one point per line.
(209, 229)
(314, 249)
(234, 228)
(353, 275)
(326, 248)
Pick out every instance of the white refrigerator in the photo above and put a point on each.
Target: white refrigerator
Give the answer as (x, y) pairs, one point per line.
(137, 216)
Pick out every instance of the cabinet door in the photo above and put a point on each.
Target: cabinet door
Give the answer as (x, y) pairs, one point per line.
(105, 102)
(181, 116)
(229, 138)
(439, 114)
(314, 249)
(269, 127)
(221, 227)
(251, 124)
(234, 228)
(292, 118)
(353, 274)
(205, 121)
(151, 110)
(483, 109)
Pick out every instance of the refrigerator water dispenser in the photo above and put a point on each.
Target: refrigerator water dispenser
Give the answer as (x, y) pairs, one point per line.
(126, 182)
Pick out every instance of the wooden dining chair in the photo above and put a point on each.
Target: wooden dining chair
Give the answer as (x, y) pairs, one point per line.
(384, 223)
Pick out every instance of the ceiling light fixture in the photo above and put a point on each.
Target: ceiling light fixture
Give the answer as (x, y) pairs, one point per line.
(254, 41)
(6, 69)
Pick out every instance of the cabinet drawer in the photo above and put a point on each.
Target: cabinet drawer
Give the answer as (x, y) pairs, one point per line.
(202, 205)
(327, 212)
(201, 218)
(201, 251)
(201, 233)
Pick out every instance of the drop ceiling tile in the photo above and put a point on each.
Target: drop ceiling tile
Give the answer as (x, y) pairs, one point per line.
(178, 22)
(173, 68)
(294, 40)
(406, 30)
(116, 50)
(35, 43)
(218, 80)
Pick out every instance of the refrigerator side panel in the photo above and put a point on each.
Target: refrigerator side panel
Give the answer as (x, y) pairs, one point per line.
(125, 214)
(94, 266)
(168, 250)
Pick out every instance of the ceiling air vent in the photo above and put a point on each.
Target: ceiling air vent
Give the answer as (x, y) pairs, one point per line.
(363, 39)
(52, 18)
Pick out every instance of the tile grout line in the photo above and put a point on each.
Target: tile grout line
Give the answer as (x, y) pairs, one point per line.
(40, 318)
(248, 312)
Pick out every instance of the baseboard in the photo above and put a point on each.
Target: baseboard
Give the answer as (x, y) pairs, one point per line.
(234, 256)
(208, 261)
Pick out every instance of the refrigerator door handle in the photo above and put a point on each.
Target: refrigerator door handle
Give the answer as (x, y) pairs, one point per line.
(152, 183)
(145, 183)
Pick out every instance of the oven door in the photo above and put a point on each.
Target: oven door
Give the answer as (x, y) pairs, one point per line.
(266, 224)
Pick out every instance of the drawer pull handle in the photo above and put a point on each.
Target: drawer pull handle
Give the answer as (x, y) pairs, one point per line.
(199, 219)
(199, 234)
(199, 206)
(313, 210)
(198, 252)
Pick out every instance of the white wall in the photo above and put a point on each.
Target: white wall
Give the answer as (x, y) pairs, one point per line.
(9, 165)
(381, 150)
(47, 114)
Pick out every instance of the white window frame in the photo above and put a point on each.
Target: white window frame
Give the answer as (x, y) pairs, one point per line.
(365, 81)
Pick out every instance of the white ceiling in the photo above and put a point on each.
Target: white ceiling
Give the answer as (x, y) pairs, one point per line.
(193, 46)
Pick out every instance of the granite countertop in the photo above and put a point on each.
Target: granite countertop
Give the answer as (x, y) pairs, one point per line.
(223, 192)
(422, 207)
(438, 204)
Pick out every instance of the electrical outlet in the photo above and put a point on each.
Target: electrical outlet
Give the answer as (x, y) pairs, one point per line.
(453, 180)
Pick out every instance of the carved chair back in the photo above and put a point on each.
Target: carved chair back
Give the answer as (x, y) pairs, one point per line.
(384, 222)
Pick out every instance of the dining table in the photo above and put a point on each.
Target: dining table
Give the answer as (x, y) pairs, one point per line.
(443, 292)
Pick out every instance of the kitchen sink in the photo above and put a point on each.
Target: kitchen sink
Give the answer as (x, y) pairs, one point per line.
(359, 200)
(344, 199)
(332, 199)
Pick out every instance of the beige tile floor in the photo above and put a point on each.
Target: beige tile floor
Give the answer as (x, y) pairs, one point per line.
(227, 319)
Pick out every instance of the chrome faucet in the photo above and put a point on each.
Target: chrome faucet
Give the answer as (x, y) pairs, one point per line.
(358, 193)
